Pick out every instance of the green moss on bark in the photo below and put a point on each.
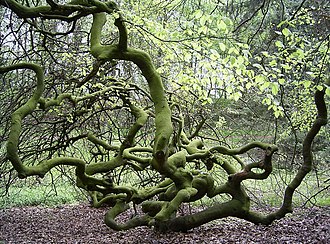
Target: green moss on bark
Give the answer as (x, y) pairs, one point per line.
(142, 60)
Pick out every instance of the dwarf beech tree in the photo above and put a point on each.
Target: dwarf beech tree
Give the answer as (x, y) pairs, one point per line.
(93, 101)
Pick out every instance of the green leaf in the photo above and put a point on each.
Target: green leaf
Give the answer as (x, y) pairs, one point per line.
(267, 101)
(327, 91)
(272, 75)
(240, 60)
(274, 88)
(236, 96)
(273, 63)
(227, 21)
(214, 57)
(307, 83)
(222, 46)
(286, 66)
(281, 81)
(259, 79)
(266, 54)
(232, 60)
(279, 44)
(319, 87)
(221, 25)
(286, 32)
(231, 50)
(277, 113)
(229, 90)
(196, 46)
(264, 86)
(299, 53)
(198, 14)
(204, 29)
(282, 23)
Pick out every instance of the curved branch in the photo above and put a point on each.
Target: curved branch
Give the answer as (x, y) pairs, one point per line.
(244, 149)
(305, 168)
(16, 128)
(122, 34)
(141, 117)
(196, 153)
(21, 113)
(142, 60)
(92, 138)
(128, 154)
(57, 11)
(119, 208)
(185, 223)
(247, 173)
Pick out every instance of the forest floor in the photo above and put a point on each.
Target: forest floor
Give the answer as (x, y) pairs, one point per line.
(83, 224)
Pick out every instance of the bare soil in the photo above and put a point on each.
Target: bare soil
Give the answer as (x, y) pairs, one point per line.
(83, 224)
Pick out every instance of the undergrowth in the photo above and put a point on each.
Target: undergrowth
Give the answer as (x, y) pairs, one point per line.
(263, 193)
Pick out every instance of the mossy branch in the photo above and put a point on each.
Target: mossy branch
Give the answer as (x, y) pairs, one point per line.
(58, 11)
(21, 113)
(247, 173)
(142, 60)
(119, 208)
(16, 127)
(122, 45)
(304, 169)
(108, 199)
(185, 223)
(144, 161)
(141, 118)
(145, 194)
(92, 138)
(45, 166)
(244, 149)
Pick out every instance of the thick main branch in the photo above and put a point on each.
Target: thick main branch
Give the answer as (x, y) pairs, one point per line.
(142, 60)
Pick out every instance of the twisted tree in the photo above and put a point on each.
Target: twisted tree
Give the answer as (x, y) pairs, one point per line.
(103, 125)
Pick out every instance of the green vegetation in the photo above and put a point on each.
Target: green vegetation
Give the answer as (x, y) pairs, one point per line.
(43, 195)
(42, 191)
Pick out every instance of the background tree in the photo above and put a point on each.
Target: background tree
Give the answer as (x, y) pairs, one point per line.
(138, 105)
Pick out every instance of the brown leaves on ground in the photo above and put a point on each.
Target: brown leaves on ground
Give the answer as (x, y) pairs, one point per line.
(82, 224)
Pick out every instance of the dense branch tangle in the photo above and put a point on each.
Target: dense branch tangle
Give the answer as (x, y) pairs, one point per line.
(172, 154)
